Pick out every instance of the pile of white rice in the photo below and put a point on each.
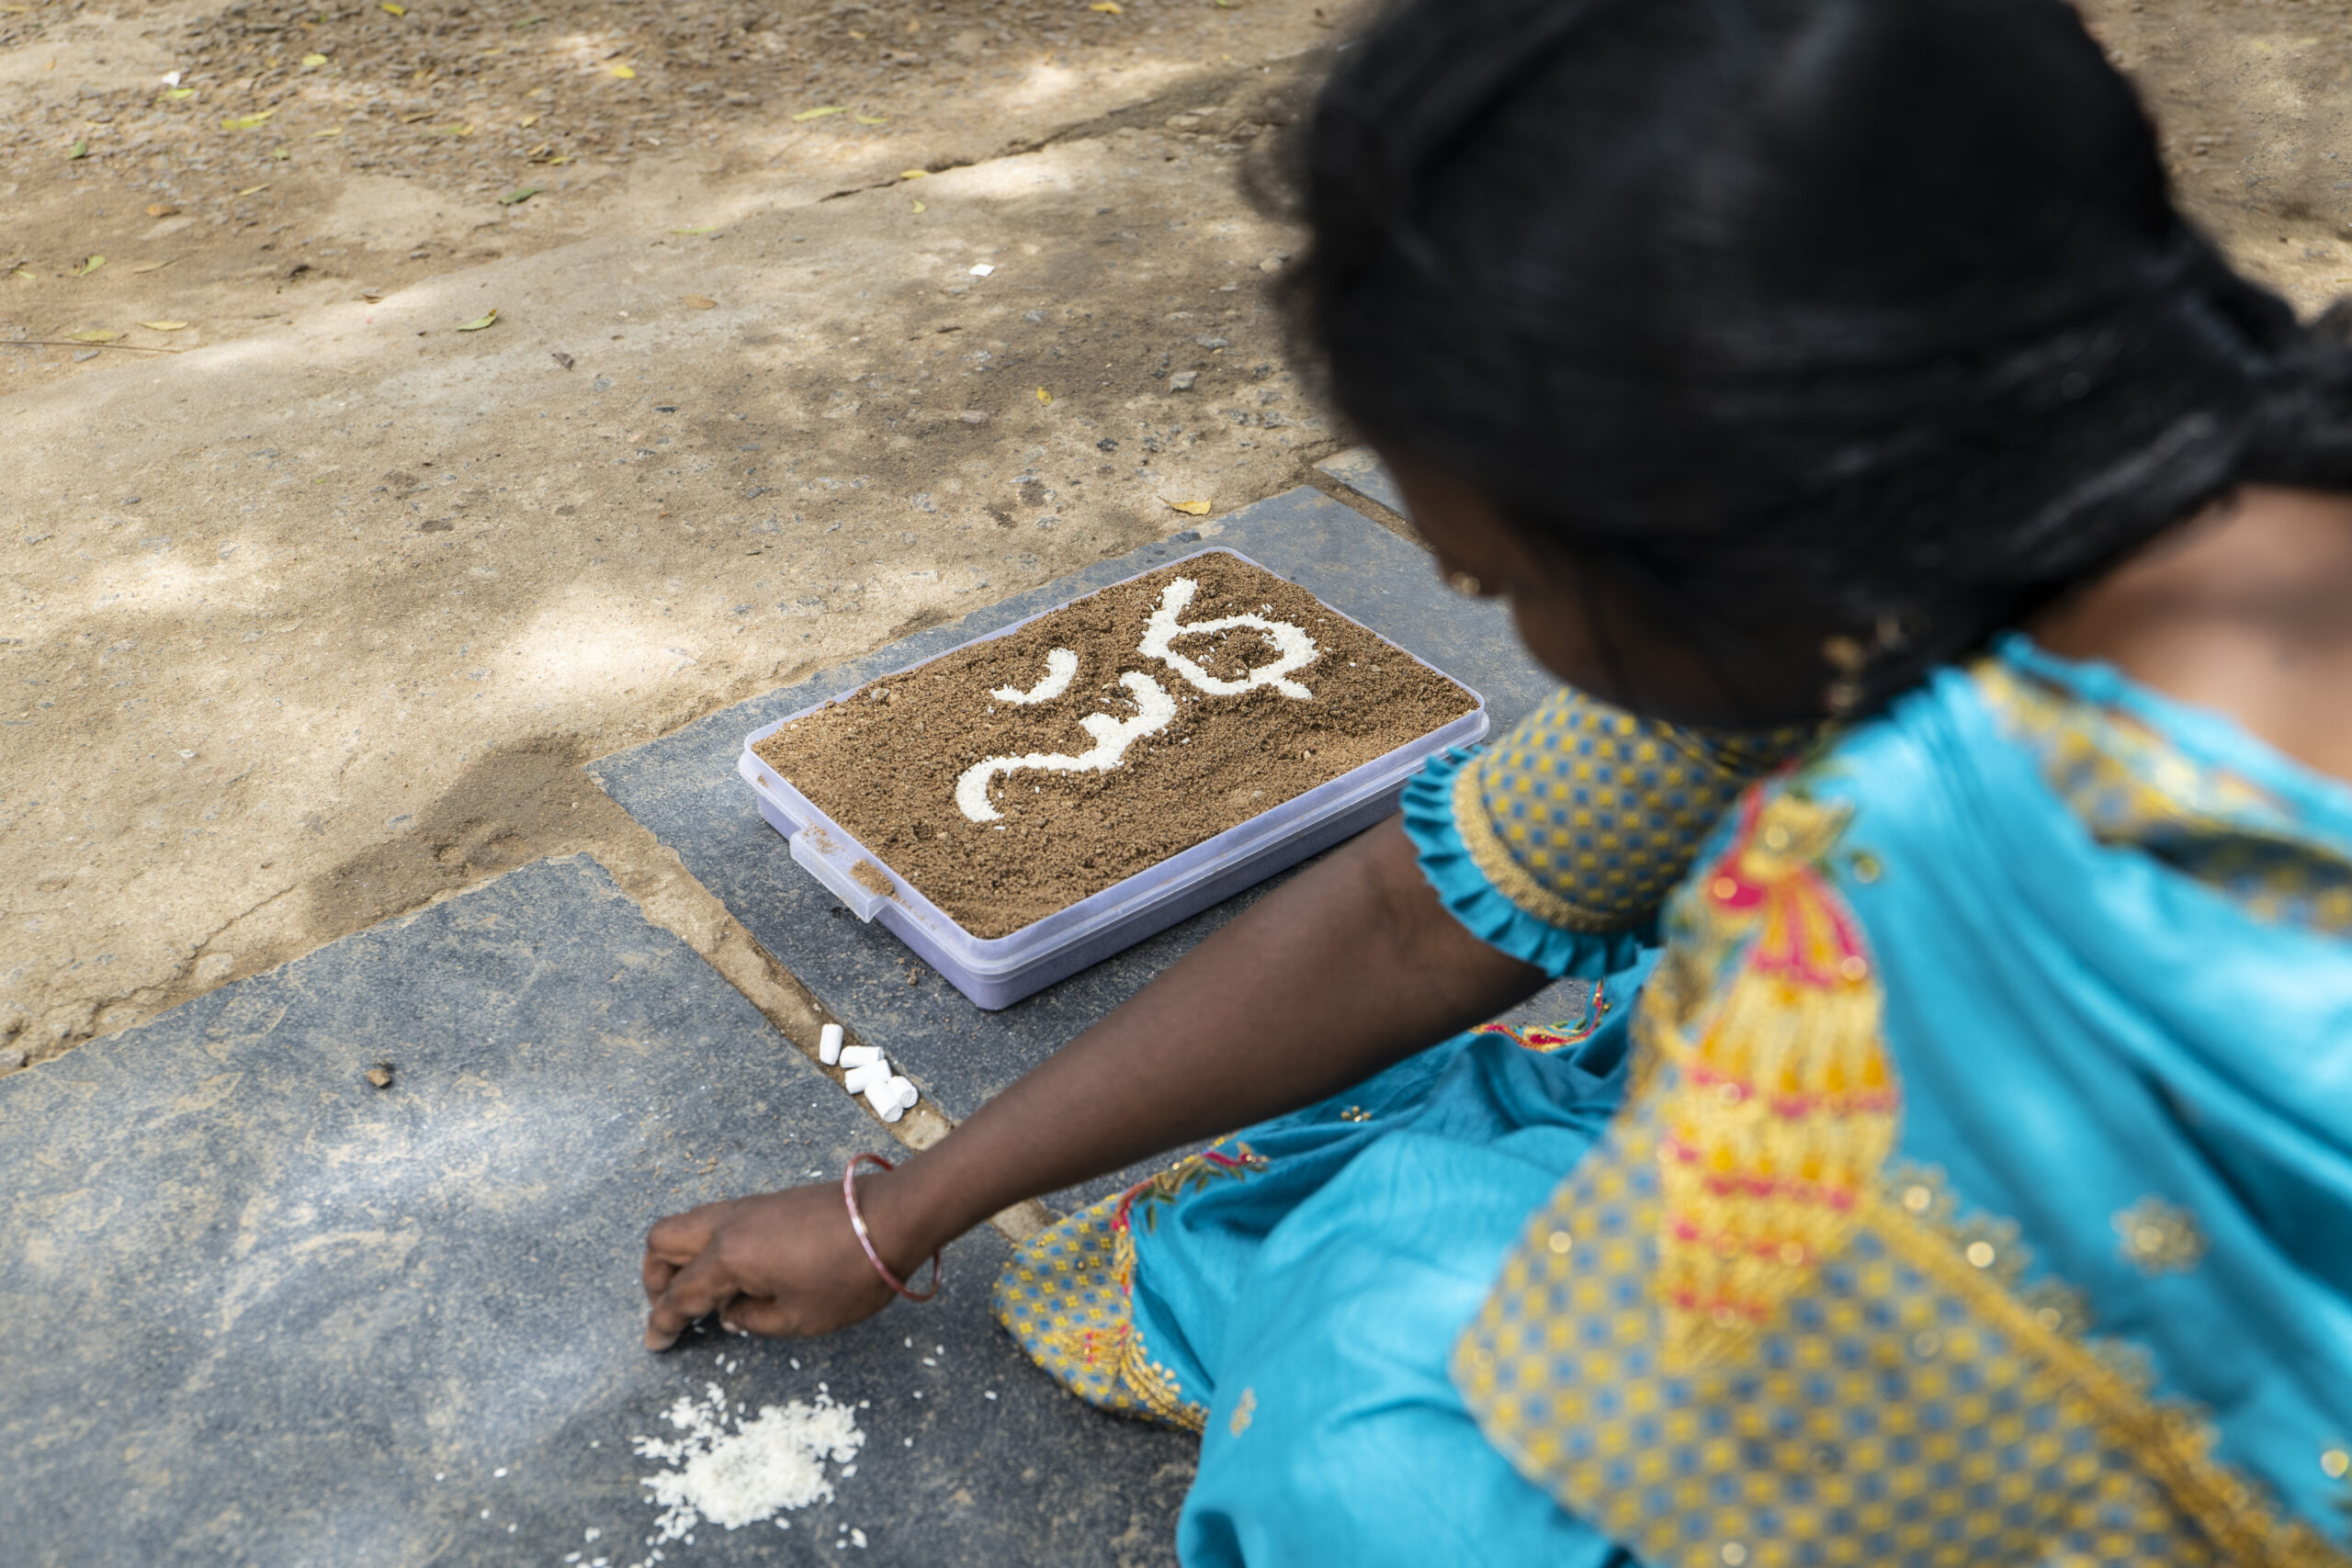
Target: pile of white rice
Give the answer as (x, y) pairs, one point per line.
(770, 1463)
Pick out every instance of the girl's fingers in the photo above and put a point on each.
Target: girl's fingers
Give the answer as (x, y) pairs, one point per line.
(673, 1244)
(699, 1289)
(757, 1314)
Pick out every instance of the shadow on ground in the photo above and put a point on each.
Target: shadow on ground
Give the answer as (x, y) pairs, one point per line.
(261, 1309)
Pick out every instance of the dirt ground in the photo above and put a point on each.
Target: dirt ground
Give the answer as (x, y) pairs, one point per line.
(814, 324)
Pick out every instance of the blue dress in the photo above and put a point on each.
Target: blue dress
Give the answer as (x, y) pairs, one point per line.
(1972, 1181)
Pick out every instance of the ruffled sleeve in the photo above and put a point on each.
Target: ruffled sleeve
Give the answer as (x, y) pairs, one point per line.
(1475, 901)
(1559, 844)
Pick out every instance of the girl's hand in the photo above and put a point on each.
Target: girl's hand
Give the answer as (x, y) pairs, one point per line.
(777, 1264)
(1353, 965)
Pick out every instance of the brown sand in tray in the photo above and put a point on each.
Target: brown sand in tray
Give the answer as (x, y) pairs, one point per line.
(884, 762)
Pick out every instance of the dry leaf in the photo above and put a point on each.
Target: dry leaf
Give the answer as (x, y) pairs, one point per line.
(331, 131)
(164, 326)
(20, 272)
(527, 122)
(1044, 396)
(154, 266)
(623, 72)
(706, 228)
(1188, 508)
(871, 119)
(81, 149)
(517, 197)
(176, 94)
(479, 322)
(914, 173)
(1108, 8)
(806, 115)
(921, 208)
(391, 6)
(247, 121)
(314, 59)
(94, 336)
(157, 209)
(699, 302)
(91, 265)
(254, 190)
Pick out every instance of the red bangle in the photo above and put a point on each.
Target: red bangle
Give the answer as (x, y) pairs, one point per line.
(858, 1223)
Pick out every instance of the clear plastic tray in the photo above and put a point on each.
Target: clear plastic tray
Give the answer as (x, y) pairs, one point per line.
(999, 971)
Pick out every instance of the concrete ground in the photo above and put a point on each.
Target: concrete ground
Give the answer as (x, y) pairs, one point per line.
(313, 620)
(319, 590)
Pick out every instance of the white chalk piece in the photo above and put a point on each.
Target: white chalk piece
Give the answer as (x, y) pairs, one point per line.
(884, 1100)
(981, 269)
(829, 1045)
(858, 1079)
(905, 1093)
(859, 1055)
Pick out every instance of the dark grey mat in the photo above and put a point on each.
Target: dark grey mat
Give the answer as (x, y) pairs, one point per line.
(683, 787)
(253, 1309)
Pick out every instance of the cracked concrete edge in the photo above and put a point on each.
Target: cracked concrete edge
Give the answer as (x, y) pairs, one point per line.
(1204, 90)
(1291, 77)
(1395, 523)
(670, 896)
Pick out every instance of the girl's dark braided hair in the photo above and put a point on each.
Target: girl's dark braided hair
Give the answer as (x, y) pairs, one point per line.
(1860, 317)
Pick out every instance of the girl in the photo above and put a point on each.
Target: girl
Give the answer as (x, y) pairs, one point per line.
(1948, 562)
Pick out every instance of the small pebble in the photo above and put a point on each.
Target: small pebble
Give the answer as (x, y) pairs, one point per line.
(829, 1045)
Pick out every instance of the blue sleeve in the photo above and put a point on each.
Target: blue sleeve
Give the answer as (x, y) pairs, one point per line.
(1490, 916)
